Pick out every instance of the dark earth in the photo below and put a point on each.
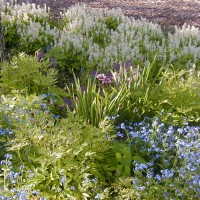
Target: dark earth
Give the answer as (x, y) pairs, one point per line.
(165, 12)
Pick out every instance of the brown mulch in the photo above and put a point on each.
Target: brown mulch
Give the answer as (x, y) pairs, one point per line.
(165, 12)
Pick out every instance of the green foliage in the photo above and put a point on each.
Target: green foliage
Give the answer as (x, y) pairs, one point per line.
(96, 103)
(124, 158)
(11, 35)
(62, 155)
(26, 73)
(123, 188)
(140, 84)
(112, 23)
(100, 35)
(69, 61)
(17, 108)
(180, 94)
(166, 91)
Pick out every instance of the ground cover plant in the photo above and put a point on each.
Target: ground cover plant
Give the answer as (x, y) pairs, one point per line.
(97, 105)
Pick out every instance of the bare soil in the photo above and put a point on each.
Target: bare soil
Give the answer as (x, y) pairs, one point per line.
(165, 12)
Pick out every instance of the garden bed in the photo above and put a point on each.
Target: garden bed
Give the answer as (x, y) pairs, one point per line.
(97, 105)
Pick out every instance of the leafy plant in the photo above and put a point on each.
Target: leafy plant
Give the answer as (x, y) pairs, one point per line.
(95, 103)
(124, 158)
(180, 94)
(11, 35)
(141, 84)
(167, 91)
(26, 73)
(112, 23)
(66, 62)
(162, 157)
(63, 156)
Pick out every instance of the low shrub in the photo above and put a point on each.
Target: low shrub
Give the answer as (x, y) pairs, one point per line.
(26, 73)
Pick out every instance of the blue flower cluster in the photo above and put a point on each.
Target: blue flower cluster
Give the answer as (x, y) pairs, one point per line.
(10, 189)
(16, 110)
(11, 179)
(169, 154)
(20, 111)
(5, 131)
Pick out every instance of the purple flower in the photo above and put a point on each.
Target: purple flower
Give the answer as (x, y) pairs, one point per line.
(119, 134)
(128, 64)
(47, 48)
(44, 96)
(105, 79)
(40, 55)
(44, 106)
(140, 166)
(166, 173)
(122, 126)
(94, 73)
(63, 179)
(68, 101)
(83, 88)
(101, 77)
(117, 67)
(158, 177)
(109, 75)
(166, 195)
(140, 188)
(53, 62)
(150, 174)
